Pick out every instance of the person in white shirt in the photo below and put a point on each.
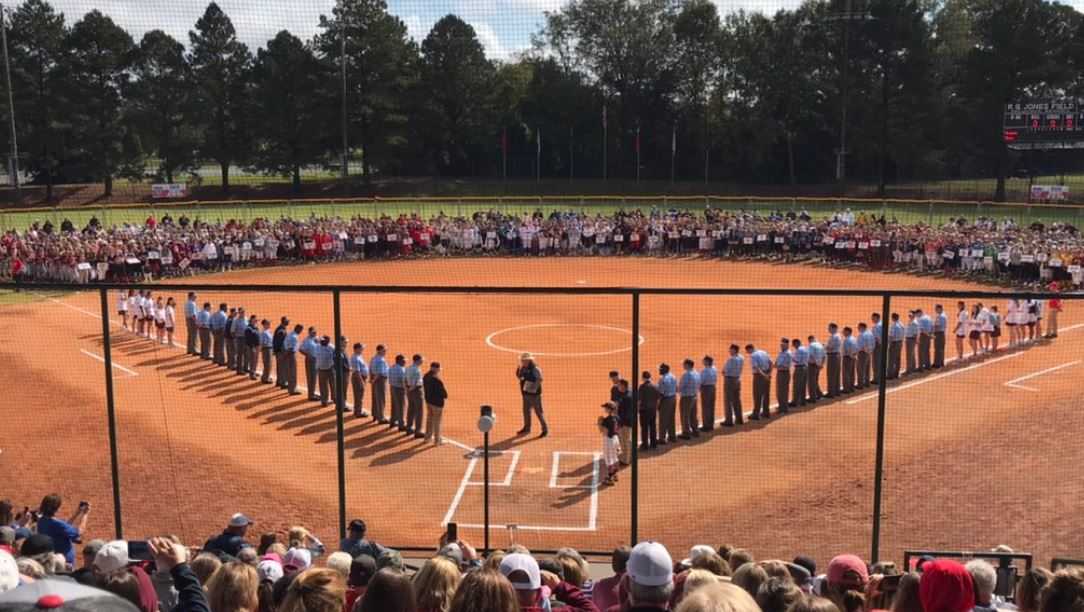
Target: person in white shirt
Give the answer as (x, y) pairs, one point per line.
(986, 327)
(160, 321)
(170, 320)
(974, 336)
(963, 325)
(122, 306)
(1012, 314)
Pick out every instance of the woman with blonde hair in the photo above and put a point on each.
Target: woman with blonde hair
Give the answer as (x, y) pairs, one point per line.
(435, 584)
(299, 537)
(721, 597)
(234, 587)
(485, 591)
(315, 590)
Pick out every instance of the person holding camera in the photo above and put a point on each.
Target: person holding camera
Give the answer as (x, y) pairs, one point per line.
(64, 534)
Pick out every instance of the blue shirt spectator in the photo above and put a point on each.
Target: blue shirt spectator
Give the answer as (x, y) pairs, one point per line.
(783, 360)
(690, 383)
(896, 332)
(218, 321)
(63, 534)
(667, 385)
(325, 356)
(734, 366)
(709, 376)
(379, 366)
(397, 376)
(762, 362)
(850, 346)
(357, 364)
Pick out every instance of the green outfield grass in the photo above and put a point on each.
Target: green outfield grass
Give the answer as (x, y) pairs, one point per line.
(936, 213)
(13, 298)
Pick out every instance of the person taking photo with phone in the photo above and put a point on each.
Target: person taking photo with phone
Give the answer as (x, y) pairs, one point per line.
(64, 534)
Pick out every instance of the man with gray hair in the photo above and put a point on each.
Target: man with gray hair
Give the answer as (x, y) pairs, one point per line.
(985, 578)
(650, 576)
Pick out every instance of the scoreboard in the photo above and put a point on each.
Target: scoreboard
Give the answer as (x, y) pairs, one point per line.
(1044, 124)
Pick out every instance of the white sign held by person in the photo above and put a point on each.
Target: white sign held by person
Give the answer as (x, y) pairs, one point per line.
(169, 191)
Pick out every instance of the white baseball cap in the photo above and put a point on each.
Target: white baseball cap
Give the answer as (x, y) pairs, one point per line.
(240, 520)
(111, 557)
(9, 572)
(650, 565)
(530, 578)
(270, 570)
(700, 551)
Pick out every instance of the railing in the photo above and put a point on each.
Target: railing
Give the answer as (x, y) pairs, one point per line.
(188, 443)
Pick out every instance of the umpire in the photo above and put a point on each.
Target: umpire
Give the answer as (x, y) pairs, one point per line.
(732, 387)
(648, 394)
(280, 353)
(834, 348)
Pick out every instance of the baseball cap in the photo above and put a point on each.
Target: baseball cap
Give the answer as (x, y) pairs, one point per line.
(112, 557)
(240, 520)
(697, 552)
(452, 551)
(650, 564)
(270, 570)
(297, 559)
(357, 525)
(526, 357)
(525, 568)
(9, 572)
(842, 564)
(62, 596)
(37, 544)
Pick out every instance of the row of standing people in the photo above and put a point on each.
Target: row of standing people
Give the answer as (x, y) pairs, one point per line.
(230, 339)
(849, 359)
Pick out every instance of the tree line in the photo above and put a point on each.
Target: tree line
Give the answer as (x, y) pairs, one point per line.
(616, 88)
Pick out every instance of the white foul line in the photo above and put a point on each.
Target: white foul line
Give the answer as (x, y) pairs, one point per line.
(115, 364)
(450, 514)
(1014, 385)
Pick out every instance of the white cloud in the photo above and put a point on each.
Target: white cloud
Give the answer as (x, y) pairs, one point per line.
(490, 41)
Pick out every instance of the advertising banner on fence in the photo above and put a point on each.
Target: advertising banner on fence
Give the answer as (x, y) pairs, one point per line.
(1049, 193)
(166, 191)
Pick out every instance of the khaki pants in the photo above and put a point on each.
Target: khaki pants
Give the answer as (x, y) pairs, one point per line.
(625, 455)
(432, 423)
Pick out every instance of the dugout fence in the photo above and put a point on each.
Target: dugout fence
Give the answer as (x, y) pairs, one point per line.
(960, 457)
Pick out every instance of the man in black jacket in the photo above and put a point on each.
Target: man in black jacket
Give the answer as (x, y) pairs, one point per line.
(530, 387)
(280, 352)
(649, 409)
(252, 347)
(435, 395)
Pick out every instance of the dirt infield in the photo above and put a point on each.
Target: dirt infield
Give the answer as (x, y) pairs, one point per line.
(970, 461)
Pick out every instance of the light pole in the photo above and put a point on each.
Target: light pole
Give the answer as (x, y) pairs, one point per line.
(13, 165)
(486, 420)
(845, 17)
(342, 61)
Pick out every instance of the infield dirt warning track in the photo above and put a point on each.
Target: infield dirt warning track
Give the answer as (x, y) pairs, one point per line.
(982, 453)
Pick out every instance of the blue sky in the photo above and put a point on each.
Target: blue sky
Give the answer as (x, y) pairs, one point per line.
(503, 26)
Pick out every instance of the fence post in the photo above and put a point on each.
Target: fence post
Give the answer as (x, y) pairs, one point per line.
(882, 394)
(340, 406)
(111, 414)
(634, 510)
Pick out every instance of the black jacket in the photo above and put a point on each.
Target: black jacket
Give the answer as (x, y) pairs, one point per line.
(252, 337)
(649, 397)
(435, 394)
(279, 339)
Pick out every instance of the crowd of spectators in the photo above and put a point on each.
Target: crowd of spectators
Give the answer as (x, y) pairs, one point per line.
(229, 573)
(984, 248)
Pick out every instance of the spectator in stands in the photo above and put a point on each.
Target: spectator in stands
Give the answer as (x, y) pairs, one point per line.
(134, 585)
(85, 574)
(845, 581)
(576, 571)
(1064, 592)
(390, 559)
(9, 572)
(696, 579)
(749, 577)
(907, 599)
(485, 591)
(984, 577)
(812, 603)
(738, 557)
(526, 578)
(649, 580)
(777, 595)
(355, 542)
(205, 565)
(232, 539)
(606, 591)
(720, 597)
(340, 562)
(435, 584)
(946, 586)
(171, 557)
(315, 590)
(63, 534)
(1029, 588)
(299, 537)
(233, 588)
(390, 590)
(362, 570)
